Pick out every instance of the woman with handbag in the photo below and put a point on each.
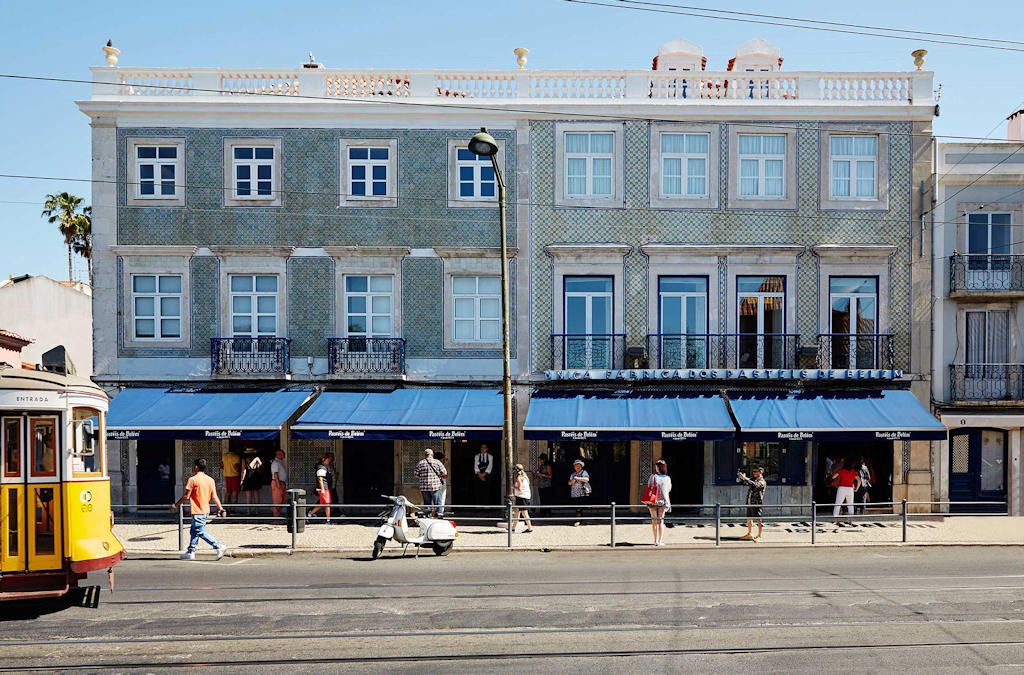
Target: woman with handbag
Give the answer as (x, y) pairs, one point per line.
(656, 497)
(579, 488)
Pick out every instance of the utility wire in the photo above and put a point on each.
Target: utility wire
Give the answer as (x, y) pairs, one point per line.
(658, 10)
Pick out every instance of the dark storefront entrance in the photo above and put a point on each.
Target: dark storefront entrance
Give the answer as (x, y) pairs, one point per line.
(878, 456)
(606, 462)
(685, 461)
(155, 464)
(462, 478)
(977, 468)
(367, 471)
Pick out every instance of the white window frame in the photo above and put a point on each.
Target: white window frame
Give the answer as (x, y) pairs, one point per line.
(369, 295)
(854, 161)
(346, 198)
(254, 312)
(455, 199)
(134, 196)
(762, 158)
(684, 164)
(158, 163)
(477, 319)
(789, 178)
(562, 197)
(880, 201)
(157, 316)
(988, 229)
(657, 197)
(231, 196)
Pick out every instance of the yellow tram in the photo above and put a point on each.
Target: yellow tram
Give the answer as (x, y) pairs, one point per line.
(55, 518)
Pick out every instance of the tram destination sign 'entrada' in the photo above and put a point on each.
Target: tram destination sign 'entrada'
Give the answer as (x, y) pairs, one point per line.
(724, 374)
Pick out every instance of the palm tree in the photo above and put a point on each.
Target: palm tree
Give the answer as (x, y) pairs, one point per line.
(82, 244)
(62, 210)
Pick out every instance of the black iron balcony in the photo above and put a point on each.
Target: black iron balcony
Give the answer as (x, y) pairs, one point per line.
(366, 356)
(849, 351)
(590, 351)
(987, 382)
(250, 356)
(986, 273)
(723, 350)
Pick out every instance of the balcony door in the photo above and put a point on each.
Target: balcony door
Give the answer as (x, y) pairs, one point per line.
(989, 246)
(761, 301)
(853, 303)
(588, 341)
(987, 375)
(682, 322)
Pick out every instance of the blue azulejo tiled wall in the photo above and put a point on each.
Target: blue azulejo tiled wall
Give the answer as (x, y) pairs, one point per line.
(311, 304)
(309, 214)
(636, 224)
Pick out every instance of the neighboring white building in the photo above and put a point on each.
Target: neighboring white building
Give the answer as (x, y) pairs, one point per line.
(49, 313)
(978, 355)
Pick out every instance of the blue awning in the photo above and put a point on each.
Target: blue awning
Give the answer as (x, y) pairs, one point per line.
(848, 416)
(637, 417)
(171, 414)
(415, 414)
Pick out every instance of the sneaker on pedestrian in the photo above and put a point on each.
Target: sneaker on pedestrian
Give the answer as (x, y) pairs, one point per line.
(221, 550)
(576, 524)
(747, 536)
(528, 531)
(187, 555)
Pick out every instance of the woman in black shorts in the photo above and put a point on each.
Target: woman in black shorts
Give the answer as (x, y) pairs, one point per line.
(522, 494)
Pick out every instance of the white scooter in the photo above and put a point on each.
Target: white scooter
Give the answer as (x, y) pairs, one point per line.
(433, 532)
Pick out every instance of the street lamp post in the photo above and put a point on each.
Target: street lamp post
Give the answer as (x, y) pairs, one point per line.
(484, 145)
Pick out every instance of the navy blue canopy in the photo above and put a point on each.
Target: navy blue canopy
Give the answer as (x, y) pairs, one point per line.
(169, 414)
(849, 416)
(650, 417)
(416, 414)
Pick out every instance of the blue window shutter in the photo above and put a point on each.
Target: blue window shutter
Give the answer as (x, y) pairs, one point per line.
(793, 465)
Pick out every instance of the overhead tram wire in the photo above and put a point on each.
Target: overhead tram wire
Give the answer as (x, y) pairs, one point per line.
(547, 114)
(823, 22)
(619, 5)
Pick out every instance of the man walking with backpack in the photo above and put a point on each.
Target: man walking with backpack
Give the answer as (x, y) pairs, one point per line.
(199, 490)
(430, 473)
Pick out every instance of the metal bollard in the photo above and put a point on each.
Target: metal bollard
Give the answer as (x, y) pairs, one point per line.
(181, 527)
(613, 524)
(294, 516)
(904, 502)
(814, 522)
(718, 524)
(508, 505)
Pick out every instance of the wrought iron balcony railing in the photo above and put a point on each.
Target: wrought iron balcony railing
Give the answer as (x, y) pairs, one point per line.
(848, 351)
(723, 350)
(987, 382)
(250, 356)
(366, 356)
(977, 273)
(590, 351)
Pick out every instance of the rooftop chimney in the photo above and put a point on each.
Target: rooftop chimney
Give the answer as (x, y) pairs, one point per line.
(1015, 126)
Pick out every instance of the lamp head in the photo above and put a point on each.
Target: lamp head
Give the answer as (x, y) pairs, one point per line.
(483, 144)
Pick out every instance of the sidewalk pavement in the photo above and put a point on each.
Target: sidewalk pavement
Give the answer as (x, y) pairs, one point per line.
(265, 539)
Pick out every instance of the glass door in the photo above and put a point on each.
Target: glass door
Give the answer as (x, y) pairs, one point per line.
(683, 324)
(761, 323)
(588, 340)
(989, 247)
(853, 302)
(987, 374)
(43, 508)
(12, 494)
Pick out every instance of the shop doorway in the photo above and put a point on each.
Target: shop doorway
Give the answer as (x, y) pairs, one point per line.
(462, 478)
(367, 471)
(685, 461)
(878, 457)
(606, 462)
(155, 467)
(977, 468)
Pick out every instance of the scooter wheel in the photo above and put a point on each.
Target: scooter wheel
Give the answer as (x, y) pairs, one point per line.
(443, 547)
(378, 546)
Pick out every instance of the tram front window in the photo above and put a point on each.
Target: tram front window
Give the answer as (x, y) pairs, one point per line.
(11, 444)
(44, 447)
(85, 449)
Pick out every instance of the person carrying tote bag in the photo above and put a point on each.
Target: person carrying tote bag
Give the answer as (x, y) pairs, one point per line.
(656, 497)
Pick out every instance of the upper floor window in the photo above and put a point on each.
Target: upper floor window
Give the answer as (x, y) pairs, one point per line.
(988, 234)
(477, 305)
(368, 168)
(253, 171)
(588, 164)
(156, 306)
(157, 171)
(684, 162)
(762, 165)
(253, 299)
(761, 302)
(476, 179)
(369, 301)
(854, 161)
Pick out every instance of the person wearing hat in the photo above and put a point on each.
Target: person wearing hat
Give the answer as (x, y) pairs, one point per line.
(522, 494)
(579, 488)
(755, 498)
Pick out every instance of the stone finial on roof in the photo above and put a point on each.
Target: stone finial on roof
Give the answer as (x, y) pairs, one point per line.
(521, 54)
(112, 52)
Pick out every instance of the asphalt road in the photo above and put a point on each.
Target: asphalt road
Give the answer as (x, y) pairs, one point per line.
(878, 609)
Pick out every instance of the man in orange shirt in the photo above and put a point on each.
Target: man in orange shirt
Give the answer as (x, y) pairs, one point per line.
(199, 490)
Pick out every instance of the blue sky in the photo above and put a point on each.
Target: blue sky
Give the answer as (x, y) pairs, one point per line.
(44, 134)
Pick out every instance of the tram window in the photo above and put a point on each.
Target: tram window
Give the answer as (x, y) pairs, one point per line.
(46, 515)
(86, 455)
(10, 443)
(43, 434)
(13, 518)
